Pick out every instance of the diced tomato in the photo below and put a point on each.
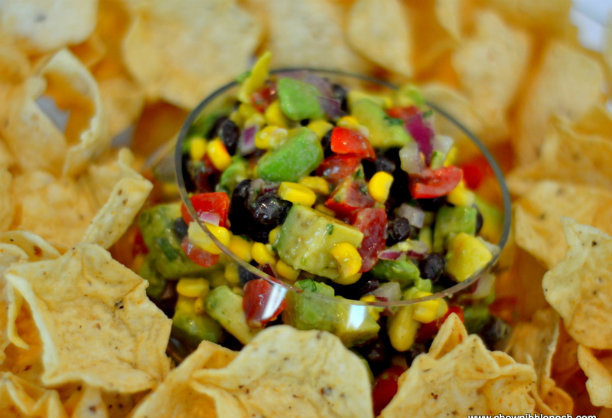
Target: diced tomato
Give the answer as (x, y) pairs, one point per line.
(404, 113)
(435, 183)
(139, 246)
(348, 198)
(338, 167)
(430, 329)
(262, 302)
(475, 171)
(373, 223)
(350, 141)
(198, 255)
(263, 97)
(210, 207)
(385, 388)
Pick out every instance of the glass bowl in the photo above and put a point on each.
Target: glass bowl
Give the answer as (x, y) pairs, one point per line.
(355, 311)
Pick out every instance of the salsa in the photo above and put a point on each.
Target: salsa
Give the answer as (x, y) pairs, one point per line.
(337, 191)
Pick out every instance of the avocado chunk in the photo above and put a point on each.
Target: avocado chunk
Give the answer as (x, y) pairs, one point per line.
(295, 158)
(403, 271)
(225, 306)
(452, 220)
(306, 238)
(317, 308)
(192, 327)
(299, 100)
(475, 317)
(169, 259)
(492, 220)
(157, 283)
(232, 175)
(466, 256)
(385, 131)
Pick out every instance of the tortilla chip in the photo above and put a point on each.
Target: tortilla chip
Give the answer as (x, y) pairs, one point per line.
(579, 288)
(607, 51)
(6, 204)
(95, 321)
(45, 25)
(545, 16)
(123, 101)
(537, 216)
(463, 380)
(598, 368)
(491, 66)
(180, 50)
(380, 32)
(448, 337)
(34, 246)
(308, 33)
(14, 64)
(568, 83)
(9, 254)
(91, 51)
(175, 398)
(21, 399)
(310, 374)
(567, 156)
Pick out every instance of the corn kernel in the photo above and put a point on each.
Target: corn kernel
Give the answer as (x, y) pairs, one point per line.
(218, 154)
(461, 195)
(324, 209)
(270, 137)
(466, 256)
(429, 310)
(192, 288)
(402, 328)
(240, 247)
(231, 273)
(246, 110)
(379, 186)
(296, 193)
(274, 115)
(374, 311)
(262, 254)
(201, 239)
(198, 306)
(349, 262)
(286, 271)
(197, 148)
(320, 127)
(348, 122)
(451, 157)
(273, 235)
(317, 184)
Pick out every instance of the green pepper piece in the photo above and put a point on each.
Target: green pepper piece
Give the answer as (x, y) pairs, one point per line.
(295, 158)
(299, 100)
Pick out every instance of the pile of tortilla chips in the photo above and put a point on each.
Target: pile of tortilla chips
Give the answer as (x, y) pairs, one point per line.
(81, 78)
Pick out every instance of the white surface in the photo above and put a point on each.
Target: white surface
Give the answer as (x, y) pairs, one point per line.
(591, 18)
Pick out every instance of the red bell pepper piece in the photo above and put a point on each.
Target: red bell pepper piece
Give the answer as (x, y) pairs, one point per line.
(404, 113)
(198, 255)
(263, 97)
(338, 167)
(430, 329)
(210, 207)
(475, 171)
(385, 388)
(373, 223)
(348, 198)
(350, 141)
(435, 183)
(262, 302)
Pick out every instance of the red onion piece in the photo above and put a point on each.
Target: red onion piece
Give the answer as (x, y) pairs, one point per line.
(415, 216)
(246, 142)
(411, 160)
(331, 106)
(442, 144)
(390, 255)
(209, 218)
(422, 133)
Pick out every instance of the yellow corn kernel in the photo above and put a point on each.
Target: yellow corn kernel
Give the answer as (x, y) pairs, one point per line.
(402, 328)
(379, 186)
(270, 137)
(461, 195)
(429, 310)
(231, 273)
(348, 122)
(201, 239)
(274, 115)
(240, 247)
(286, 271)
(262, 254)
(296, 193)
(246, 111)
(320, 127)
(324, 209)
(373, 310)
(255, 79)
(197, 148)
(273, 235)
(451, 157)
(198, 306)
(317, 184)
(192, 288)
(349, 262)
(218, 154)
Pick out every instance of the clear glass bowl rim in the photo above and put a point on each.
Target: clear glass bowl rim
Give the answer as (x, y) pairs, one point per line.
(195, 113)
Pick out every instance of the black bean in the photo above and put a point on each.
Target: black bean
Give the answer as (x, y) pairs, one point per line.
(214, 129)
(326, 143)
(479, 220)
(495, 333)
(229, 133)
(432, 266)
(365, 284)
(414, 351)
(377, 352)
(245, 275)
(382, 163)
(341, 95)
(189, 183)
(432, 205)
(270, 210)
(239, 215)
(399, 229)
(179, 227)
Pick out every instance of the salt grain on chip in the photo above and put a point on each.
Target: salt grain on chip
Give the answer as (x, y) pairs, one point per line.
(309, 374)
(95, 321)
(579, 288)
